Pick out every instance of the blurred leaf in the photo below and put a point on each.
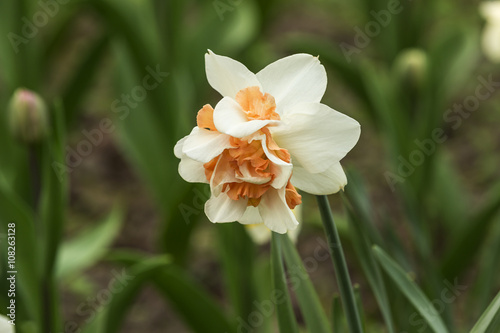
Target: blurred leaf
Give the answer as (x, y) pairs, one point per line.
(53, 205)
(359, 304)
(284, 308)
(470, 238)
(54, 189)
(14, 210)
(89, 246)
(236, 247)
(197, 308)
(363, 246)
(389, 117)
(191, 301)
(447, 195)
(453, 58)
(139, 273)
(309, 303)
(490, 317)
(488, 270)
(410, 289)
(82, 78)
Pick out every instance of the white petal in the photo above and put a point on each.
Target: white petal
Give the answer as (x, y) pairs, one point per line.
(316, 136)
(490, 10)
(275, 212)
(251, 216)
(228, 76)
(299, 78)
(491, 42)
(230, 119)
(327, 182)
(178, 147)
(5, 327)
(192, 171)
(203, 145)
(222, 208)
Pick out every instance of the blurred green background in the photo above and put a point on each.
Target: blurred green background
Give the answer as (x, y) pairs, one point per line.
(123, 81)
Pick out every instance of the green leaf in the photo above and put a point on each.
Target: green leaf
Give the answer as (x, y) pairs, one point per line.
(197, 308)
(53, 190)
(338, 320)
(284, 309)
(83, 77)
(236, 247)
(90, 246)
(490, 317)
(14, 210)
(138, 274)
(190, 300)
(470, 239)
(309, 303)
(359, 303)
(410, 289)
(370, 267)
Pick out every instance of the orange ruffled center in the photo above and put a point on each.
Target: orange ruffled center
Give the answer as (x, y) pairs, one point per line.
(247, 161)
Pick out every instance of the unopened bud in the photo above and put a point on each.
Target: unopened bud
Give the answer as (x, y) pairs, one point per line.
(28, 116)
(410, 68)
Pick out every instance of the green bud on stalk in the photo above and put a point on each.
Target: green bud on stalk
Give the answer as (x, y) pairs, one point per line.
(410, 69)
(28, 117)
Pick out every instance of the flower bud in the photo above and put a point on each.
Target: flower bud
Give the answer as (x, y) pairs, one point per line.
(410, 69)
(28, 116)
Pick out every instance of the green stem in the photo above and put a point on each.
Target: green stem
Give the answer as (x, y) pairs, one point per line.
(339, 263)
(35, 170)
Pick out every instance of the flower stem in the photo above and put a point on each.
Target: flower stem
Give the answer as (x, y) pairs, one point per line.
(340, 266)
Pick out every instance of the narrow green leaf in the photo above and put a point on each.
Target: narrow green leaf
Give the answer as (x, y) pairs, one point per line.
(309, 303)
(338, 320)
(488, 317)
(470, 239)
(284, 309)
(359, 303)
(14, 210)
(54, 190)
(137, 276)
(190, 300)
(236, 247)
(95, 240)
(370, 267)
(197, 308)
(410, 289)
(82, 78)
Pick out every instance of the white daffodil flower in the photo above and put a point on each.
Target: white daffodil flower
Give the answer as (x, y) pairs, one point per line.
(491, 34)
(5, 326)
(267, 135)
